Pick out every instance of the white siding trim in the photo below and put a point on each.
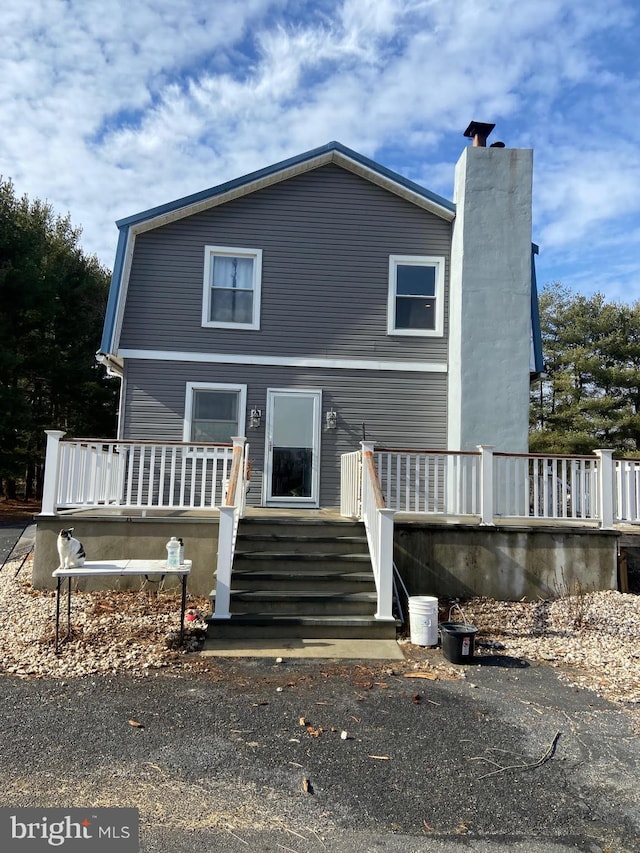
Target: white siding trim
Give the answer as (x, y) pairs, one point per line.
(122, 296)
(286, 361)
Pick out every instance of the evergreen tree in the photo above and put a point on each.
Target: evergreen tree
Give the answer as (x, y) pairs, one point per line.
(589, 394)
(52, 303)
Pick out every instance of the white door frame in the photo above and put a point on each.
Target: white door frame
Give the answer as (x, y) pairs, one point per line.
(308, 502)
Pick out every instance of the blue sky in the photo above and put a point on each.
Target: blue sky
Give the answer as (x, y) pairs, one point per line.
(110, 108)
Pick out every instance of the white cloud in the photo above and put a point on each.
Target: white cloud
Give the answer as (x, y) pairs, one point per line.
(118, 107)
(581, 189)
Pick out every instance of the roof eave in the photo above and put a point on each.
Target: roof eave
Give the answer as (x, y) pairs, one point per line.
(333, 152)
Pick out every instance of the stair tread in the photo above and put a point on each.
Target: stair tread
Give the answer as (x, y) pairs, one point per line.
(271, 594)
(301, 574)
(300, 537)
(289, 555)
(265, 618)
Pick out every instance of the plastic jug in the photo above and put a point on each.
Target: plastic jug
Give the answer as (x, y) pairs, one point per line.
(173, 553)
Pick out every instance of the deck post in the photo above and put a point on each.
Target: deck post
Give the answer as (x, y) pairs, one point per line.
(385, 568)
(51, 466)
(365, 447)
(486, 485)
(605, 487)
(223, 570)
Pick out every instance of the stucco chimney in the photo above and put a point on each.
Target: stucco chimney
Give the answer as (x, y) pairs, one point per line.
(489, 297)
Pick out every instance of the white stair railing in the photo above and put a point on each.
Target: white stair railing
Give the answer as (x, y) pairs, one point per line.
(378, 522)
(231, 511)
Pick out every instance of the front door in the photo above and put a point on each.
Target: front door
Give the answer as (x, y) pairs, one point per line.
(292, 463)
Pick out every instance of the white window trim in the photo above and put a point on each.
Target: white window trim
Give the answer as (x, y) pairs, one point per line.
(213, 386)
(438, 263)
(229, 251)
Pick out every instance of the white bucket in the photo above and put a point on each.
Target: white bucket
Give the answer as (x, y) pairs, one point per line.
(423, 619)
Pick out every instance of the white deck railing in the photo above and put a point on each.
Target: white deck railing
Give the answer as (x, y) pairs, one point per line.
(350, 483)
(627, 485)
(431, 483)
(84, 473)
(491, 485)
(378, 523)
(553, 487)
(231, 511)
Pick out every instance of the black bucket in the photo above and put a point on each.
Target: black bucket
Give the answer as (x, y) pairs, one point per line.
(458, 640)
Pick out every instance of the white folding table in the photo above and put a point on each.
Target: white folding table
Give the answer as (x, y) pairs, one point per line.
(122, 568)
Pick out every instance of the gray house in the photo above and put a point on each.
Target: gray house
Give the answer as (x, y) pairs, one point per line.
(324, 300)
(297, 311)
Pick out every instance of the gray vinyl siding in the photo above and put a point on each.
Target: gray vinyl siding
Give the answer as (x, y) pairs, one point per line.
(405, 410)
(326, 238)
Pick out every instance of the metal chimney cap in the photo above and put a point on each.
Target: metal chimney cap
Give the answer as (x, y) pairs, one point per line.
(478, 131)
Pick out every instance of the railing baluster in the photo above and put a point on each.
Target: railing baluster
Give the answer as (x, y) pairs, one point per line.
(143, 458)
(203, 481)
(161, 475)
(152, 476)
(130, 470)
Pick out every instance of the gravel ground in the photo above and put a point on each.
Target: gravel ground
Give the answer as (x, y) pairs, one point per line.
(221, 755)
(592, 638)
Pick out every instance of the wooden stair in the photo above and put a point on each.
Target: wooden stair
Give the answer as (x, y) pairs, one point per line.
(301, 578)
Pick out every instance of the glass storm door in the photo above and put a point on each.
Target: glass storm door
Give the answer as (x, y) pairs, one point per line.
(292, 463)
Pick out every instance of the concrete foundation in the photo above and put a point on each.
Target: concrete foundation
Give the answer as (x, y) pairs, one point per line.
(111, 537)
(448, 560)
(506, 563)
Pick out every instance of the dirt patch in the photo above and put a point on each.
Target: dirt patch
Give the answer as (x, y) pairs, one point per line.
(17, 511)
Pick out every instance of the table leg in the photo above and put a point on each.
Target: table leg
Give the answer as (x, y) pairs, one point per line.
(69, 609)
(183, 606)
(58, 612)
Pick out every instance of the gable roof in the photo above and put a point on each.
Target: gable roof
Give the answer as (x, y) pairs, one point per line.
(332, 152)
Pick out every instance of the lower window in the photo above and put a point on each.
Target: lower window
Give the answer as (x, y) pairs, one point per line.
(214, 412)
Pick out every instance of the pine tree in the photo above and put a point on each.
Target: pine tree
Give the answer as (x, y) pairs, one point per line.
(52, 299)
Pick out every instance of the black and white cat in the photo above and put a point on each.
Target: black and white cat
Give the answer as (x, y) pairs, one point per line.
(70, 551)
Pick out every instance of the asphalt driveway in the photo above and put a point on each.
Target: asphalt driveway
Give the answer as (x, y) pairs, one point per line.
(12, 533)
(250, 754)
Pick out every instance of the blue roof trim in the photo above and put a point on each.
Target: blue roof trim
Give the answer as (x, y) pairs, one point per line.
(114, 291)
(536, 333)
(212, 192)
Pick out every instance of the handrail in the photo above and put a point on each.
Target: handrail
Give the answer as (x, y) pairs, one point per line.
(236, 468)
(544, 455)
(378, 523)
(149, 441)
(372, 471)
(231, 510)
(422, 450)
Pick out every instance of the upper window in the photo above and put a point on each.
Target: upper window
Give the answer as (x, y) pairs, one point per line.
(416, 295)
(214, 413)
(232, 278)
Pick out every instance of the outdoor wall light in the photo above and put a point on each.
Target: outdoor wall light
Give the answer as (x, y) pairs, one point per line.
(331, 419)
(255, 418)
